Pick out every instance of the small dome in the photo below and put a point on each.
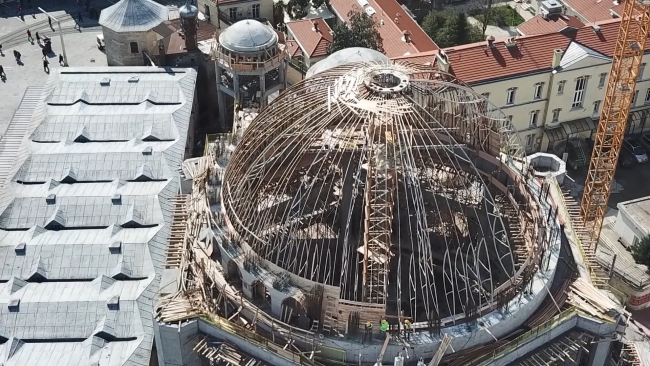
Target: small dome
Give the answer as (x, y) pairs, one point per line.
(188, 11)
(248, 36)
(346, 56)
(133, 16)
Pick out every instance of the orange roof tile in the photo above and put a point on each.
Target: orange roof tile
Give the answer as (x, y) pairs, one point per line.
(386, 11)
(539, 25)
(293, 49)
(313, 42)
(473, 63)
(592, 10)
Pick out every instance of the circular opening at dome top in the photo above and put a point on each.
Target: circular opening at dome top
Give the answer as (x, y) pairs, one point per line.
(387, 81)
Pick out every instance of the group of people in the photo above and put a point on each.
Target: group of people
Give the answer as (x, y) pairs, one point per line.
(383, 329)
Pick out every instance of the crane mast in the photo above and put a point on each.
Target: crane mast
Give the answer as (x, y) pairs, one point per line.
(626, 61)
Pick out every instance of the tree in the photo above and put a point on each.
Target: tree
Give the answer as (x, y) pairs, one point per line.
(641, 251)
(484, 12)
(297, 8)
(450, 28)
(361, 30)
(318, 3)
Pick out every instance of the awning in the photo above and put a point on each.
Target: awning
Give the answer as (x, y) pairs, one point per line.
(637, 121)
(569, 129)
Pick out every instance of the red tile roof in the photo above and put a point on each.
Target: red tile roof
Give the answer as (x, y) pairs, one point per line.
(473, 63)
(313, 42)
(386, 11)
(539, 25)
(293, 49)
(592, 10)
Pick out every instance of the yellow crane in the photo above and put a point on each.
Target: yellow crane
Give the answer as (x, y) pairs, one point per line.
(626, 61)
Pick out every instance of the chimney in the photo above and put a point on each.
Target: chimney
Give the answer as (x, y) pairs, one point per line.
(406, 36)
(443, 61)
(396, 20)
(557, 57)
(490, 41)
(315, 25)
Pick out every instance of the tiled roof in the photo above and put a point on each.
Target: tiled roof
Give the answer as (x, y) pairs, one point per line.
(531, 53)
(293, 49)
(94, 208)
(386, 11)
(592, 10)
(539, 25)
(313, 43)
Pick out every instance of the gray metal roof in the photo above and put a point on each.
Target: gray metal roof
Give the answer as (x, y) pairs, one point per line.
(133, 16)
(111, 192)
(248, 36)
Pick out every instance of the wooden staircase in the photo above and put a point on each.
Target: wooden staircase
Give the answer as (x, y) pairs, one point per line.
(177, 235)
(584, 232)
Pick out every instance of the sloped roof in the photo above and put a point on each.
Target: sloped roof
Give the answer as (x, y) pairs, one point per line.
(577, 52)
(133, 16)
(293, 48)
(95, 280)
(593, 11)
(391, 31)
(540, 25)
(313, 42)
(531, 53)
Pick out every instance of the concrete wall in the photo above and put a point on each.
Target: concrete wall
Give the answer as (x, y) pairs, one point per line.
(627, 229)
(118, 47)
(173, 345)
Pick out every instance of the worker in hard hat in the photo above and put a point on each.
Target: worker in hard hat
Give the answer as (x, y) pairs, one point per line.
(383, 327)
(367, 333)
(407, 329)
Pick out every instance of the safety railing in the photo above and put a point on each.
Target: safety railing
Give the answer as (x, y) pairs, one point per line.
(532, 334)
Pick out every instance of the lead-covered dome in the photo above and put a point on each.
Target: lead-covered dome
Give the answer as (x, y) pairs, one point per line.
(371, 177)
(133, 16)
(188, 11)
(248, 36)
(346, 56)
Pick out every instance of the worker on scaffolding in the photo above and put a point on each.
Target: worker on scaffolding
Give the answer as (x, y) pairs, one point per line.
(407, 329)
(383, 327)
(367, 333)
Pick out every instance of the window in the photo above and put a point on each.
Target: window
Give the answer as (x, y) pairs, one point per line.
(560, 87)
(636, 96)
(596, 107)
(579, 93)
(232, 13)
(533, 119)
(530, 140)
(602, 79)
(134, 47)
(538, 91)
(647, 96)
(556, 115)
(641, 70)
(510, 97)
(256, 11)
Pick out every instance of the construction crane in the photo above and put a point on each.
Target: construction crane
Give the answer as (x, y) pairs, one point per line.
(626, 61)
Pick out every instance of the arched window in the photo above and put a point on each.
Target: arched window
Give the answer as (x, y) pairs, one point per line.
(134, 47)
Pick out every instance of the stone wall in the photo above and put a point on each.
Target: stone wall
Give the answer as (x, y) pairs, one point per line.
(118, 47)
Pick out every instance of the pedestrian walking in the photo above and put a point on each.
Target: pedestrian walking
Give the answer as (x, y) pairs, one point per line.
(2, 73)
(22, 16)
(80, 17)
(17, 55)
(29, 36)
(46, 65)
(38, 38)
(368, 333)
(61, 60)
(1, 53)
(407, 329)
(49, 20)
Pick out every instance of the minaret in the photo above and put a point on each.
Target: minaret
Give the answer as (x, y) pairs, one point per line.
(188, 13)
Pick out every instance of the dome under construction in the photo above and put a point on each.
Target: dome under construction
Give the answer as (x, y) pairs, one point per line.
(392, 187)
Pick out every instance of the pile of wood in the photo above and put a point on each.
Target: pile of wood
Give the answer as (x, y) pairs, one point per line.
(224, 354)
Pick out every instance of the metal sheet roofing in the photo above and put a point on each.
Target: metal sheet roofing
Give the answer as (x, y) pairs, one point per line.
(90, 217)
(133, 16)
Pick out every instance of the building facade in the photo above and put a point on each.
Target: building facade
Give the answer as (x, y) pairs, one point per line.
(550, 85)
(223, 13)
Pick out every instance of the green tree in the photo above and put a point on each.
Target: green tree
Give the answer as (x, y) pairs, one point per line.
(641, 251)
(360, 31)
(318, 3)
(449, 28)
